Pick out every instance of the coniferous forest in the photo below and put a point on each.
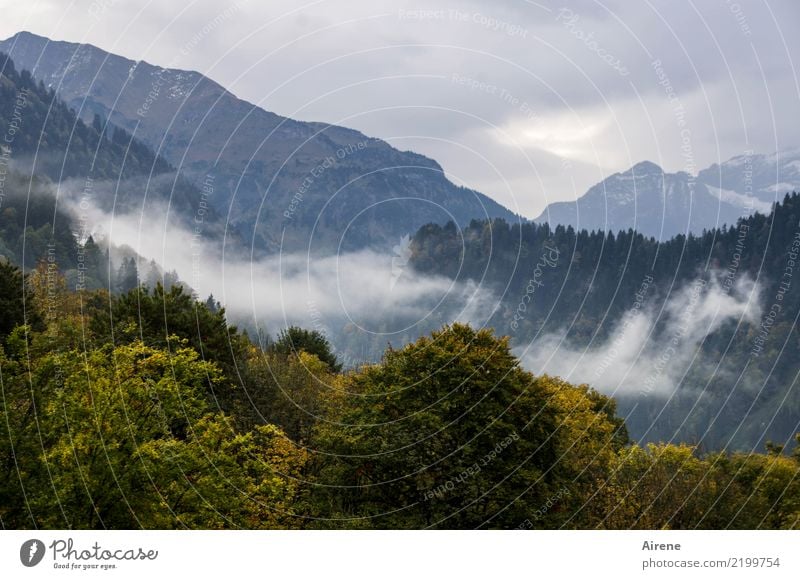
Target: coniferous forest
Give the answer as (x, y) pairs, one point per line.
(585, 283)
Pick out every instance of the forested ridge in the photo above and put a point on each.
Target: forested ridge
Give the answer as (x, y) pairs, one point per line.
(48, 153)
(580, 285)
(41, 129)
(54, 168)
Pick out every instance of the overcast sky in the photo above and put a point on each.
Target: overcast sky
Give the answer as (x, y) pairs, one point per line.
(529, 102)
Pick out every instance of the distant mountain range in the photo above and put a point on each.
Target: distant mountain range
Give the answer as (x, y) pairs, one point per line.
(282, 183)
(662, 205)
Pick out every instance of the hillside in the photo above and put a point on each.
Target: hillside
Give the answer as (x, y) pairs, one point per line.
(279, 180)
(108, 165)
(604, 308)
(57, 171)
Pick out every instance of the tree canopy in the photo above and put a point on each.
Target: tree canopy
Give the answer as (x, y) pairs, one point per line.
(176, 420)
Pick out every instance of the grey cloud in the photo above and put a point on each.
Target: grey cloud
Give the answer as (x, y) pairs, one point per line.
(258, 47)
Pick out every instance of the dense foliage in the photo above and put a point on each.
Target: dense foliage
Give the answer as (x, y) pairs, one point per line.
(175, 420)
(294, 339)
(12, 302)
(449, 431)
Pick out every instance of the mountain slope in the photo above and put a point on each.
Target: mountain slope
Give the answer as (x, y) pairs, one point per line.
(662, 205)
(754, 180)
(64, 182)
(45, 136)
(282, 182)
(107, 165)
(648, 200)
(695, 336)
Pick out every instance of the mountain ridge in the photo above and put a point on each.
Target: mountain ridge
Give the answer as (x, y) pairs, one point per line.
(718, 195)
(295, 185)
(275, 176)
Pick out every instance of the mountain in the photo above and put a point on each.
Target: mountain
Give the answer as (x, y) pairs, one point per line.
(282, 183)
(43, 136)
(646, 199)
(56, 170)
(756, 180)
(661, 204)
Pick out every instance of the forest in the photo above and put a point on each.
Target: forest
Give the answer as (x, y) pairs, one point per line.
(146, 409)
(581, 285)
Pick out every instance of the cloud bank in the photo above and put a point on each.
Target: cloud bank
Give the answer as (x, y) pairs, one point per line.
(356, 298)
(649, 351)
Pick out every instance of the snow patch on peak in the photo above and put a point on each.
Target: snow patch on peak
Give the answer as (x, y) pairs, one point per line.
(780, 188)
(739, 199)
(736, 161)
